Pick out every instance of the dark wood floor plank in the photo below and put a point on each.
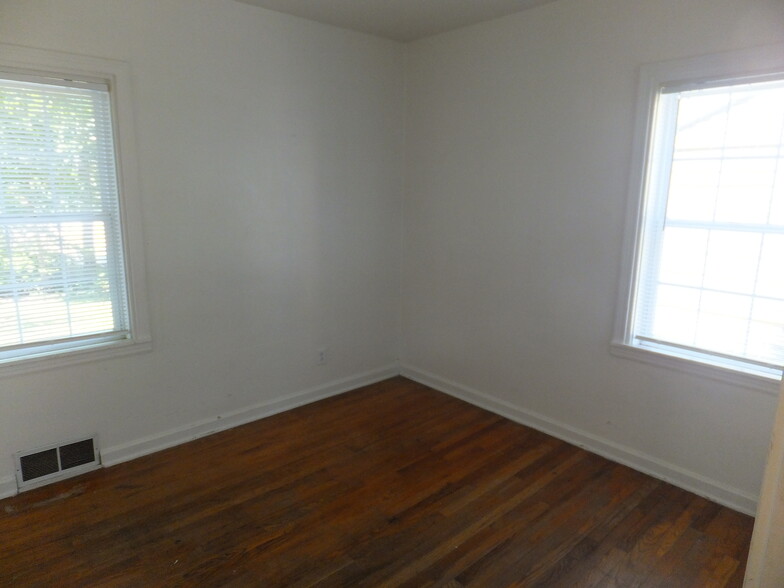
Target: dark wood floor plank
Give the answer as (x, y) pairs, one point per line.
(393, 484)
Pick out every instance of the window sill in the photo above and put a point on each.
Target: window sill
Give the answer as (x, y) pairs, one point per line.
(769, 385)
(79, 355)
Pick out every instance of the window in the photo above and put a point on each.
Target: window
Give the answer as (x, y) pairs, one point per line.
(708, 278)
(66, 252)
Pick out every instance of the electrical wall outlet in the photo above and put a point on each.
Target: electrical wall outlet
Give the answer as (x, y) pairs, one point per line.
(321, 356)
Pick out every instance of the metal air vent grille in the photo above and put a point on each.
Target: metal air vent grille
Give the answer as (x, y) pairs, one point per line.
(56, 462)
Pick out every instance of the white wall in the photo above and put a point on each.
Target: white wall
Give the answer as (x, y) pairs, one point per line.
(518, 152)
(271, 158)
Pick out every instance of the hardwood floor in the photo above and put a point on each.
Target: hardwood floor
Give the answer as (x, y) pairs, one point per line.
(389, 485)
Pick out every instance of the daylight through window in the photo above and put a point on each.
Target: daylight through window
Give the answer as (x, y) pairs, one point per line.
(62, 275)
(710, 279)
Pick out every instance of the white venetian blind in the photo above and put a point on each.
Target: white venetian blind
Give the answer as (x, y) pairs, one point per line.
(61, 264)
(712, 272)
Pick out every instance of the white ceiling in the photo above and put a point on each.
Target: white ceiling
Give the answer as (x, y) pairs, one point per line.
(401, 20)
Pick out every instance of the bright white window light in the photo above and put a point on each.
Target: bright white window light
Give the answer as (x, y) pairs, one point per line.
(710, 279)
(62, 268)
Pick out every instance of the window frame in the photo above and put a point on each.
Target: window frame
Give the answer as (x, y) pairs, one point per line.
(697, 72)
(116, 76)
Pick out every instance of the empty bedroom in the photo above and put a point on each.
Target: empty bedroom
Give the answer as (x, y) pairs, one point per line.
(391, 292)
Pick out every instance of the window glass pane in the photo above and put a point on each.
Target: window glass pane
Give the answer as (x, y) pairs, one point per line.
(683, 256)
(676, 314)
(693, 188)
(777, 195)
(770, 279)
(722, 323)
(755, 118)
(702, 121)
(731, 263)
(745, 190)
(766, 331)
(55, 156)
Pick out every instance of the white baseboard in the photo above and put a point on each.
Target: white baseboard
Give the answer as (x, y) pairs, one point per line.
(7, 486)
(681, 477)
(676, 475)
(146, 445)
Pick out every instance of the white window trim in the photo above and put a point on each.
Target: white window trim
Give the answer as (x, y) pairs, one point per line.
(39, 62)
(699, 72)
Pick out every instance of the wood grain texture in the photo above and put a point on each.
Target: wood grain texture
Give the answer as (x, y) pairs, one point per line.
(389, 485)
